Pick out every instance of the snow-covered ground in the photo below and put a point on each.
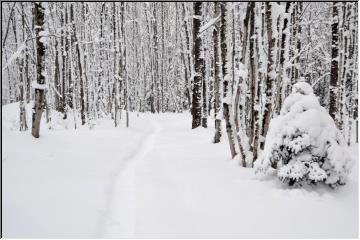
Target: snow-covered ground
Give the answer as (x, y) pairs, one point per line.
(156, 179)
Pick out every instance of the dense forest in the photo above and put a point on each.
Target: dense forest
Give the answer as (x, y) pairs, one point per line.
(179, 120)
(224, 62)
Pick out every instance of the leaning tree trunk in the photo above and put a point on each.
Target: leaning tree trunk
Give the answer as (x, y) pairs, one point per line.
(40, 78)
(196, 99)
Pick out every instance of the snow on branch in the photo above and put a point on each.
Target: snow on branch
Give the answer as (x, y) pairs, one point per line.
(36, 85)
(209, 24)
(303, 143)
(14, 56)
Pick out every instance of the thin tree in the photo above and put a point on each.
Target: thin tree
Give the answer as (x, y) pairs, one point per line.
(217, 78)
(198, 61)
(334, 75)
(270, 78)
(226, 84)
(39, 105)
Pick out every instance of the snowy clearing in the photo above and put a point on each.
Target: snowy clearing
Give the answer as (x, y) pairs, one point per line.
(156, 179)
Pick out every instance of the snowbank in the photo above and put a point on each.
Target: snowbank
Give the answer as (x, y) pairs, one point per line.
(156, 179)
(11, 119)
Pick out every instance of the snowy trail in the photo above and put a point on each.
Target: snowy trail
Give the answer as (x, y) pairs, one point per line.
(120, 218)
(185, 186)
(156, 179)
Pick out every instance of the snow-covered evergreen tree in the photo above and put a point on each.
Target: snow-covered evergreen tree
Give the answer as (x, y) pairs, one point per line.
(303, 143)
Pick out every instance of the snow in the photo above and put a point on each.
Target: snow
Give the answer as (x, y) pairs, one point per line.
(14, 56)
(209, 24)
(305, 139)
(44, 36)
(241, 72)
(44, 33)
(227, 99)
(156, 179)
(36, 85)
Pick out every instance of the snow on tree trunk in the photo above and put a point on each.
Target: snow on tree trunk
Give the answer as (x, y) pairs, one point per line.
(23, 78)
(227, 94)
(40, 74)
(334, 80)
(116, 75)
(80, 67)
(271, 74)
(255, 86)
(303, 143)
(217, 78)
(196, 98)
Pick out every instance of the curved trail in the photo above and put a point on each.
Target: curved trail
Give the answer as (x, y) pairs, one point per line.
(119, 217)
(157, 179)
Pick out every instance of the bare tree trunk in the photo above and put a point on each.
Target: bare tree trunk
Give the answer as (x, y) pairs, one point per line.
(58, 96)
(283, 48)
(334, 80)
(217, 79)
(123, 63)
(253, 112)
(226, 92)
(76, 42)
(40, 78)
(23, 123)
(116, 77)
(270, 73)
(257, 88)
(189, 55)
(298, 40)
(204, 98)
(196, 99)
(64, 54)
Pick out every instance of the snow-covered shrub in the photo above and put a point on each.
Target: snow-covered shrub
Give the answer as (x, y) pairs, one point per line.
(303, 143)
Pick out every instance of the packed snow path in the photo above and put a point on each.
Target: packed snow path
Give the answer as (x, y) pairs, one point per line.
(120, 220)
(157, 179)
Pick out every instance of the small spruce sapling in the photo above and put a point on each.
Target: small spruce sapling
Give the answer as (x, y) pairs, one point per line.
(303, 143)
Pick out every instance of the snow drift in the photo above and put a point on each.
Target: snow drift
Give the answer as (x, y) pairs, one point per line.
(303, 143)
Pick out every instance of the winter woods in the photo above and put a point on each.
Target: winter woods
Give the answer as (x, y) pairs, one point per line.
(100, 58)
(231, 63)
(180, 119)
(263, 49)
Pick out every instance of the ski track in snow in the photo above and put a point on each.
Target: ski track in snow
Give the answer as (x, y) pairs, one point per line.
(119, 216)
(156, 179)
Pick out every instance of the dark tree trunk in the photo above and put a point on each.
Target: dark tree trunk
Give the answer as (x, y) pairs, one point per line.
(284, 38)
(217, 79)
(252, 76)
(58, 96)
(64, 53)
(270, 74)
(334, 78)
(204, 98)
(198, 61)
(40, 78)
(75, 41)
